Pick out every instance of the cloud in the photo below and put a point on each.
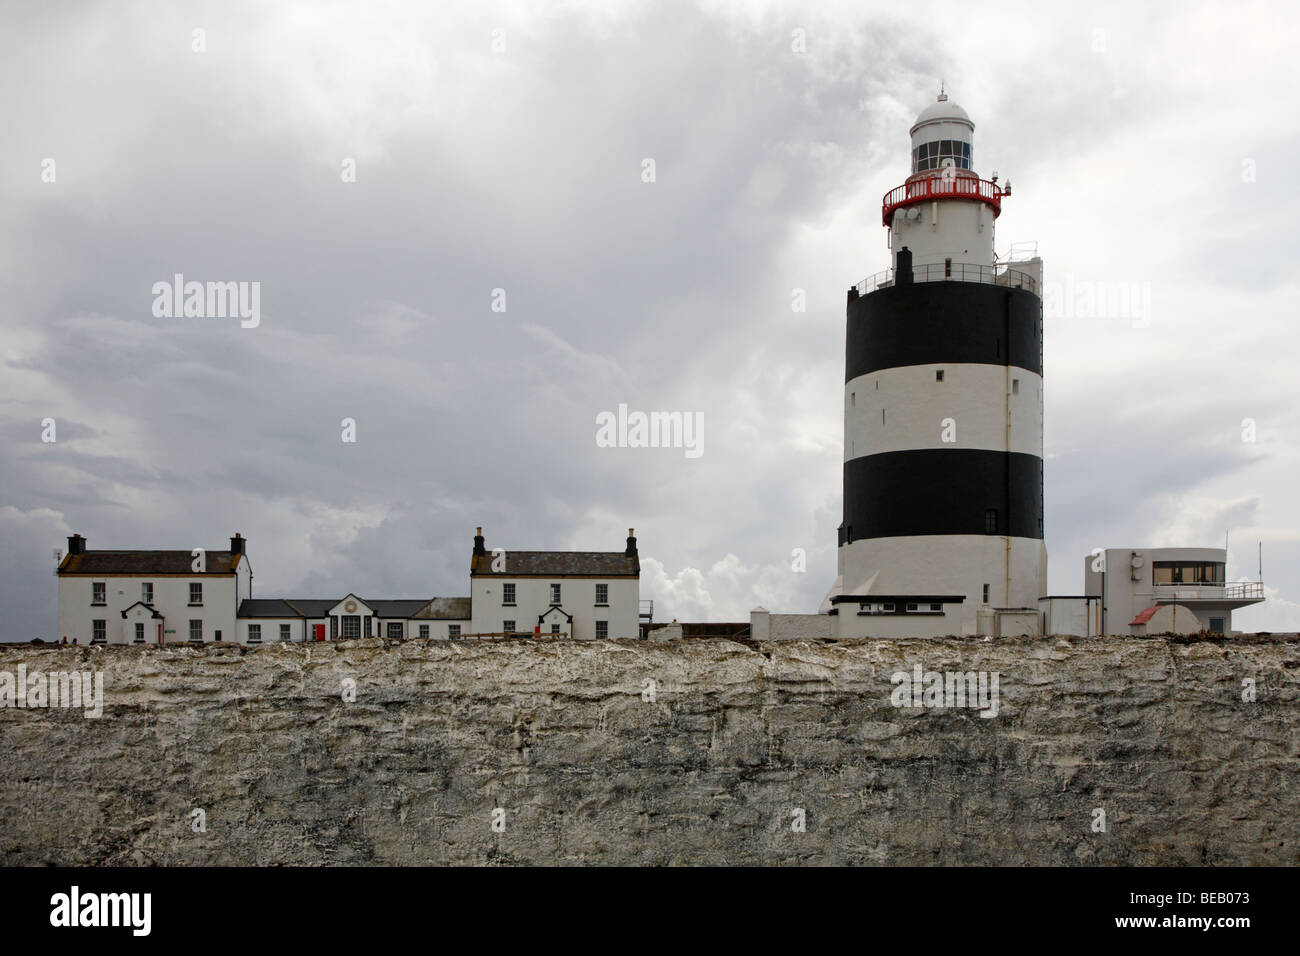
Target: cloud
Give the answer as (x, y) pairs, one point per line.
(520, 169)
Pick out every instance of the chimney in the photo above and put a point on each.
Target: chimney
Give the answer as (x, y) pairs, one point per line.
(76, 544)
(237, 544)
(903, 267)
(479, 549)
(631, 543)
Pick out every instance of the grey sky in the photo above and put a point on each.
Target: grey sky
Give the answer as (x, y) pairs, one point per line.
(1148, 147)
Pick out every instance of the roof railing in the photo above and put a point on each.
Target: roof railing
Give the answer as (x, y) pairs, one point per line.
(996, 274)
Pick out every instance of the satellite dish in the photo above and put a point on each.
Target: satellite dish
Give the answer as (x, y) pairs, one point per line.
(1137, 561)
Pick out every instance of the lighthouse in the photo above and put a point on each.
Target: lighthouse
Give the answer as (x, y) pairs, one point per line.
(942, 529)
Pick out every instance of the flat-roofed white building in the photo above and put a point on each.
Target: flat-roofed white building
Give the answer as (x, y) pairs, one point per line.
(1163, 590)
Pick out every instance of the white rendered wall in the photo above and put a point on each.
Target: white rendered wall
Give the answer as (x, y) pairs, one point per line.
(948, 565)
(171, 599)
(577, 597)
(271, 628)
(956, 229)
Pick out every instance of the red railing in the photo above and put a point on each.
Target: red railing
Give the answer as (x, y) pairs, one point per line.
(942, 187)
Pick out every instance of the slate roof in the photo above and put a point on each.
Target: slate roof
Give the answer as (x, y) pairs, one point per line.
(147, 562)
(456, 609)
(604, 564)
(397, 608)
(266, 607)
(445, 609)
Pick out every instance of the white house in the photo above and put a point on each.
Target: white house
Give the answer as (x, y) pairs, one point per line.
(151, 597)
(581, 594)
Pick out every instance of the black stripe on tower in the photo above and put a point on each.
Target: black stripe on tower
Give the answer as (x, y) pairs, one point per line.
(943, 491)
(927, 323)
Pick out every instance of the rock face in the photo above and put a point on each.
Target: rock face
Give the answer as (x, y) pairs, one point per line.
(1103, 751)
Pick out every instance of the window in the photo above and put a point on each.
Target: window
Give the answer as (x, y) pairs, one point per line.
(947, 268)
(97, 593)
(887, 607)
(394, 630)
(99, 632)
(508, 626)
(941, 152)
(196, 630)
(196, 593)
(139, 632)
(146, 592)
(1187, 572)
(938, 375)
(911, 607)
(453, 630)
(351, 626)
(555, 629)
(602, 594)
(508, 594)
(255, 633)
(936, 607)
(284, 632)
(555, 594)
(216, 635)
(1015, 386)
(602, 629)
(986, 594)
(991, 521)
(424, 631)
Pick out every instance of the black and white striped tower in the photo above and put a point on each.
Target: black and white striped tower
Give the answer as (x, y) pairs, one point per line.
(943, 409)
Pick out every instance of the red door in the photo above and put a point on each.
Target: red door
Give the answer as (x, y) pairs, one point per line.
(320, 632)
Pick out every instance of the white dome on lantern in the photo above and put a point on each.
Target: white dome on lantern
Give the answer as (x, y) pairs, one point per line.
(942, 136)
(942, 111)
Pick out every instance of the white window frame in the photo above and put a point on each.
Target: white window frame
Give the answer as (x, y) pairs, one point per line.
(424, 632)
(602, 626)
(286, 633)
(599, 602)
(146, 592)
(199, 622)
(139, 632)
(453, 630)
(98, 593)
(99, 631)
(255, 633)
(508, 627)
(199, 592)
(508, 594)
(555, 593)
